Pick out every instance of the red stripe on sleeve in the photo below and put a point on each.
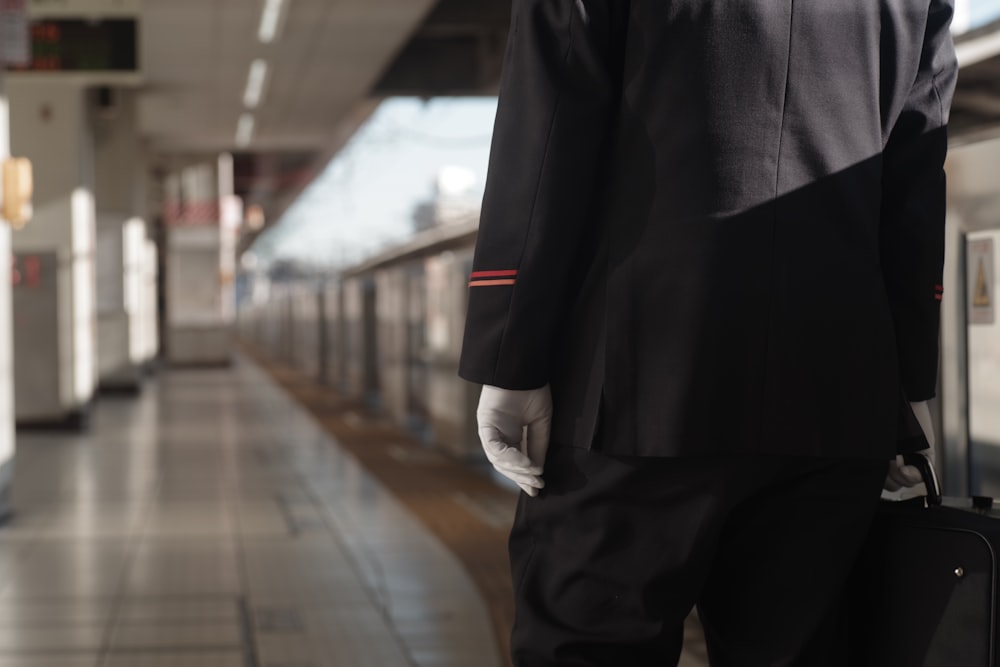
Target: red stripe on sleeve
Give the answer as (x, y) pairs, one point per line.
(490, 283)
(493, 274)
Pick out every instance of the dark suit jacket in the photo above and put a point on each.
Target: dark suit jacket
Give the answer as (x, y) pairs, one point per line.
(716, 226)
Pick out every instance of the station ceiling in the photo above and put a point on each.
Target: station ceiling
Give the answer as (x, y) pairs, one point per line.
(327, 66)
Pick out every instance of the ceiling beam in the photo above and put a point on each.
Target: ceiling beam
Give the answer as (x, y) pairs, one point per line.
(458, 50)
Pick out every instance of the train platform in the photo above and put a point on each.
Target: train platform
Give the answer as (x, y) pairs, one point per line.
(214, 523)
(248, 517)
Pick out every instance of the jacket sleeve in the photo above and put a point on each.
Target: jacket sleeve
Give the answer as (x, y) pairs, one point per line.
(913, 207)
(557, 98)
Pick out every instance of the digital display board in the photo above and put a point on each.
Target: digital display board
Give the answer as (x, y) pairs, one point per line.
(78, 45)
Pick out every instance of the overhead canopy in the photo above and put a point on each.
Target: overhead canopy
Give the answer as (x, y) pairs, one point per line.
(325, 58)
(327, 61)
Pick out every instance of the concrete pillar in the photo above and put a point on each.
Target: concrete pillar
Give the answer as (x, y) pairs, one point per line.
(150, 318)
(121, 236)
(54, 309)
(203, 218)
(6, 335)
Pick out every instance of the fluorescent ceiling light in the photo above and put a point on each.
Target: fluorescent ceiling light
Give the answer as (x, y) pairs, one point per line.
(244, 130)
(255, 83)
(269, 20)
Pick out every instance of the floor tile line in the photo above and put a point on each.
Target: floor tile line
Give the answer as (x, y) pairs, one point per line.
(46, 652)
(132, 545)
(160, 650)
(249, 632)
(383, 608)
(174, 622)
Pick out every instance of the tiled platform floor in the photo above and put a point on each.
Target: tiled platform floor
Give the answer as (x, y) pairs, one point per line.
(459, 505)
(211, 523)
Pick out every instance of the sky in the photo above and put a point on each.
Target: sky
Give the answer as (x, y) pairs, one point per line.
(364, 200)
(971, 14)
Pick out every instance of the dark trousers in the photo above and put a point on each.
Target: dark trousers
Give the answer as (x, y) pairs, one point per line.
(614, 553)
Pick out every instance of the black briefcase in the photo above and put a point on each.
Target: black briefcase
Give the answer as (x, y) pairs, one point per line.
(925, 591)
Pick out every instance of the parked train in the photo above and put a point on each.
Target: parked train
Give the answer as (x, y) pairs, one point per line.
(388, 332)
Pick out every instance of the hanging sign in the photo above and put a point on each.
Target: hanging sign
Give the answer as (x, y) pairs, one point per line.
(81, 45)
(981, 281)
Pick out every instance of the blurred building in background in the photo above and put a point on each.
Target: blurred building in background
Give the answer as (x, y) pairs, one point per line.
(456, 200)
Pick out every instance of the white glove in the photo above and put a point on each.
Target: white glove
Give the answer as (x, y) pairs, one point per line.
(901, 475)
(503, 416)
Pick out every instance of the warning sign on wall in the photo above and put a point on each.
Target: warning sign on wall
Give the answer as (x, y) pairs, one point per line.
(982, 285)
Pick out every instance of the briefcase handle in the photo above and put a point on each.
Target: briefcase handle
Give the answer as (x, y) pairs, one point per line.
(923, 464)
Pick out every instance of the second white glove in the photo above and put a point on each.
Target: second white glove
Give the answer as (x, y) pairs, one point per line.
(904, 476)
(514, 427)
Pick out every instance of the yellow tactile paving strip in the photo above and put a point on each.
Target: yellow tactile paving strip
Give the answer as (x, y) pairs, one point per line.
(431, 492)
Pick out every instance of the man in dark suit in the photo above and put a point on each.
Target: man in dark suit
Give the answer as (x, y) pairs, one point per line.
(708, 273)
